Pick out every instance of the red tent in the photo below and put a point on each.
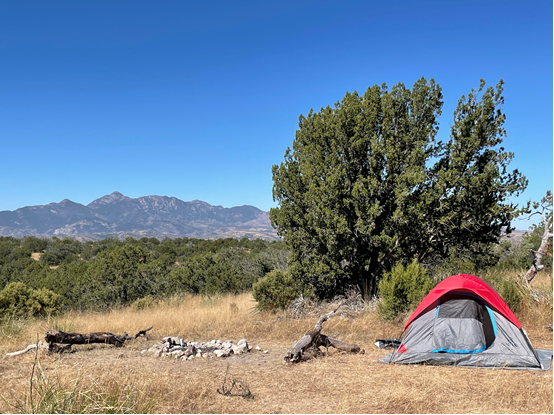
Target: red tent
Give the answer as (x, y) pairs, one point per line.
(469, 284)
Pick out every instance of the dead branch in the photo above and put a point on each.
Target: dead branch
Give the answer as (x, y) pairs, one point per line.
(234, 387)
(143, 332)
(546, 215)
(30, 347)
(314, 339)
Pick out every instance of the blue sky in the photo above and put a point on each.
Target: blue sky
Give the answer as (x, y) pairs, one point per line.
(198, 100)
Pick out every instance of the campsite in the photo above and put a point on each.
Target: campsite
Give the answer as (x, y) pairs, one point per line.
(276, 207)
(331, 382)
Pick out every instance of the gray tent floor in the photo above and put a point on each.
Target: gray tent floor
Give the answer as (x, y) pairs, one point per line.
(545, 358)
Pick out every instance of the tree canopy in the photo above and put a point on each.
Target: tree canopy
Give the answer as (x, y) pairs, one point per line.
(367, 184)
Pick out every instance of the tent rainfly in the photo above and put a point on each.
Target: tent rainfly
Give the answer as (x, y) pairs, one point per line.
(464, 322)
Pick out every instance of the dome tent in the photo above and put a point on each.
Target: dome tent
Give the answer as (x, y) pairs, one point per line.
(464, 322)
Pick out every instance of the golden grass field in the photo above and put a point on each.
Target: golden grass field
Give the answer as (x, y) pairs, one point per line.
(98, 378)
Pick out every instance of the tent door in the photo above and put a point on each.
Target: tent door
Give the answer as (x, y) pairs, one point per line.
(458, 327)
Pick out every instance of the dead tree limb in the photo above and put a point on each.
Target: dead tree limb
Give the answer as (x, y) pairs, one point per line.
(326, 341)
(55, 336)
(30, 347)
(61, 337)
(294, 354)
(143, 332)
(314, 339)
(546, 215)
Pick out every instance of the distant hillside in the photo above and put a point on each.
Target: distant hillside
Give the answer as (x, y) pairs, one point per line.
(116, 215)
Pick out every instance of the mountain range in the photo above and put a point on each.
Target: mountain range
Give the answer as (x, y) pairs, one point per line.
(119, 216)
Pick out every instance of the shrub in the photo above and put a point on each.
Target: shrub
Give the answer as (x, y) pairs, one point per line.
(16, 299)
(277, 290)
(402, 289)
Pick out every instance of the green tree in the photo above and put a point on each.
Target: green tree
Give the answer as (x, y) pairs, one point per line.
(367, 184)
(114, 278)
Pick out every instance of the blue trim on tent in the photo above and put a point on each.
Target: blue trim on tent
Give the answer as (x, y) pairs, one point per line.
(493, 321)
(458, 351)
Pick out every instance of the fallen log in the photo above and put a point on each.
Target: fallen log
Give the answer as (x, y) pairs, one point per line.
(56, 336)
(61, 337)
(60, 341)
(314, 339)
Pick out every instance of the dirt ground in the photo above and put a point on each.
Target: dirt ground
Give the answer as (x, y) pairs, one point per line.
(334, 382)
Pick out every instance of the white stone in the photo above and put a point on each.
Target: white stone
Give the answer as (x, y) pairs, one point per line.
(266, 351)
(241, 341)
(222, 353)
(258, 348)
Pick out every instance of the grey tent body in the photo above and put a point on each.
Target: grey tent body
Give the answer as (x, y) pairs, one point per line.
(459, 327)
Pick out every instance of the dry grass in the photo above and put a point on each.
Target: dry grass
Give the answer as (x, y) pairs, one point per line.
(335, 383)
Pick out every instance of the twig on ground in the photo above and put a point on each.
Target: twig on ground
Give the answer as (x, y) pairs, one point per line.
(232, 386)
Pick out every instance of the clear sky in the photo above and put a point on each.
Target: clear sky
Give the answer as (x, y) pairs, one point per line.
(198, 100)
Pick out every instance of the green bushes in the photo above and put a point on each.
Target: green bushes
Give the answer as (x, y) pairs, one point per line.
(402, 289)
(17, 300)
(507, 289)
(277, 290)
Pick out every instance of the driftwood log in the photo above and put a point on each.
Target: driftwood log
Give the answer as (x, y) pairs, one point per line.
(314, 339)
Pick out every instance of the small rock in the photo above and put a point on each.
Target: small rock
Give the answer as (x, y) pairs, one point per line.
(143, 351)
(222, 353)
(190, 357)
(266, 351)
(241, 341)
(258, 348)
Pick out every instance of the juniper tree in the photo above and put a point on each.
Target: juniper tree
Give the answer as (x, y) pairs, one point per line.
(367, 184)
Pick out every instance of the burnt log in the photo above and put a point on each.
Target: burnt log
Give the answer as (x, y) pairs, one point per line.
(55, 336)
(105, 337)
(58, 348)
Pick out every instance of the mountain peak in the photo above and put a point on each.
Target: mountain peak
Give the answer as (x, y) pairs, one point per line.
(108, 199)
